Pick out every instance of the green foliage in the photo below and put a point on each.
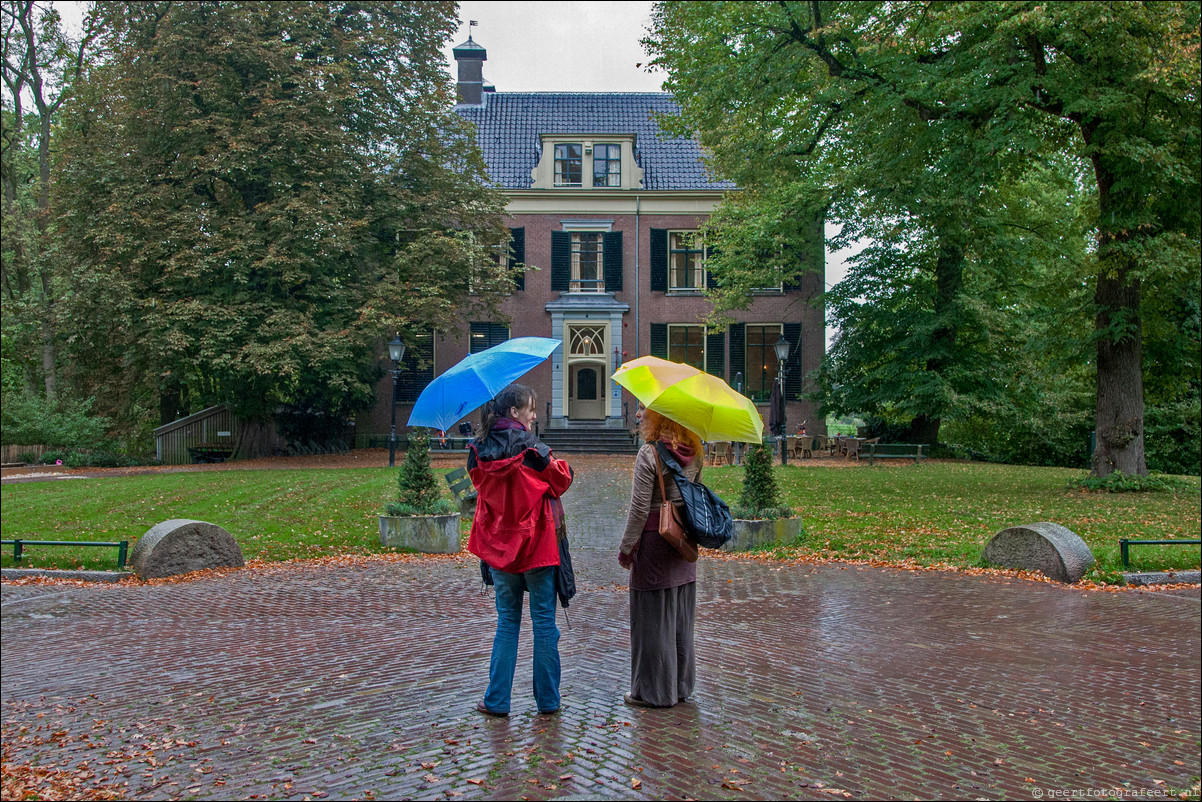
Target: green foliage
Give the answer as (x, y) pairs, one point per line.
(419, 491)
(100, 459)
(1174, 437)
(29, 420)
(760, 497)
(760, 513)
(304, 192)
(1011, 164)
(443, 506)
(1119, 482)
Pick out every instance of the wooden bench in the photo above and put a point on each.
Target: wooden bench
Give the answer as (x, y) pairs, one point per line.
(449, 443)
(19, 547)
(1125, 545)
(462, 490)
(894, 451)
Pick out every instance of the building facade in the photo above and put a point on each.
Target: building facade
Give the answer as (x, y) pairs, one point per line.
(604, 210)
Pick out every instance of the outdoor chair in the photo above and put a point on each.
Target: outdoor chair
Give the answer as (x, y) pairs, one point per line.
(719, 453)
(852, 447)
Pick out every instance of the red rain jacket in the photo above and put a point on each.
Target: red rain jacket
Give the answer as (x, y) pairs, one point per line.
(514, 527)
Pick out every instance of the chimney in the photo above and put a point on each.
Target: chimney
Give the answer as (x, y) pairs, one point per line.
(471, 58)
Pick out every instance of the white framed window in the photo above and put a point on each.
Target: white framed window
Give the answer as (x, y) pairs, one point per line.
(686, 261)
(588, 262)
(761, 367)
(569, 164)
(607, 165)
(686, 343)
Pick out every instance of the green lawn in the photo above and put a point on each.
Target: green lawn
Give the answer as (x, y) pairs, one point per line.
(276, 515)
(948, 511)
(933, 513)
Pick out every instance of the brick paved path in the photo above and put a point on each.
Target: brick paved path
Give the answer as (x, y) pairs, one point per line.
(815, 682)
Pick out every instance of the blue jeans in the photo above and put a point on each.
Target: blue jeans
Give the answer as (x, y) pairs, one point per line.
(541, 584)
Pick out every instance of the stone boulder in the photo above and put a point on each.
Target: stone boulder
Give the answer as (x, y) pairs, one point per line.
(179, 546)
(1049, 548)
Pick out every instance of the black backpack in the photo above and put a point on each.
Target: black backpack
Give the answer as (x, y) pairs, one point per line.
(707, 519)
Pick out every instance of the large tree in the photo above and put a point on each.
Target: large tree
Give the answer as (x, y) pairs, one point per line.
(897, 84)
(41, 65)
(262, 191)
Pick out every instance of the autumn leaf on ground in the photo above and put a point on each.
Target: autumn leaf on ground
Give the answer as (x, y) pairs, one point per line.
(636, 783)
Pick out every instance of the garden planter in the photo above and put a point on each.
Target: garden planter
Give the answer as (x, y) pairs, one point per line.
(429, 534)
(751, 533)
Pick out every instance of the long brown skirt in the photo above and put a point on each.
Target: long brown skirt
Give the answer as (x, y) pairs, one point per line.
(663, 665)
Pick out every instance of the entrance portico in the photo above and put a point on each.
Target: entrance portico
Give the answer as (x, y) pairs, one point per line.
(590, 326)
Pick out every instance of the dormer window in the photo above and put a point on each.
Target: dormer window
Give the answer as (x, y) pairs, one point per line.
(569, 165)
(587, 161)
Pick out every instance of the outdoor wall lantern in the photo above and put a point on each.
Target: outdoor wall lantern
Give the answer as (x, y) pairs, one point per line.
(782, 353)
(396, 352)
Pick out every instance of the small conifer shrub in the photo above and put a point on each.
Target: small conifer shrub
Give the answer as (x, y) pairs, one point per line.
(419, 491)
(760, 498)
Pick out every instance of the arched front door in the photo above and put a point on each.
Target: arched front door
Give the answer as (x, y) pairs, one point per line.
(586, 391)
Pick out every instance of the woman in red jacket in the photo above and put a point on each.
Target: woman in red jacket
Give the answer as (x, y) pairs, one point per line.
(518, 485)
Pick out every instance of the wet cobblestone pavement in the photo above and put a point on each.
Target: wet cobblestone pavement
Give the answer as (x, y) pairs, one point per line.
(814, 682)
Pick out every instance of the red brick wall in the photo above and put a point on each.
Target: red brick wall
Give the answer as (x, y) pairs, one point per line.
(528, 315)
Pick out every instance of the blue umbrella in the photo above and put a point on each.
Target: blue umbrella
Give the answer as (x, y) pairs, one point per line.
(476, 379)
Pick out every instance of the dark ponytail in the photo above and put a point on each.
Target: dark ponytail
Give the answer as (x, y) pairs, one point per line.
(515, 395)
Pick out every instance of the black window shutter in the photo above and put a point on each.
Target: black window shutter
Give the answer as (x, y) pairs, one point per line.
(659, 260)
(710, 281)
(738, 352)
(413, 379)
(485, 335)
(715, 358)
(793, 375)
(613, 261)
(517, 255)
(561, 260)
(659, 340)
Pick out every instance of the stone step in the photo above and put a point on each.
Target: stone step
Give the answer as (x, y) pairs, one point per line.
(592, 440)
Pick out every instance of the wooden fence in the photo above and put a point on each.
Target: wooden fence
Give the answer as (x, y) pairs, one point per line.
(13, 453)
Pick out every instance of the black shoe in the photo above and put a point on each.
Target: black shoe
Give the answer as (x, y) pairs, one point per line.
(634, 701)
(480, 706)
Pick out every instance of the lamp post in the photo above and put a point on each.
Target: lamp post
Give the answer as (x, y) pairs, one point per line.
(782, 353)
(396, 352)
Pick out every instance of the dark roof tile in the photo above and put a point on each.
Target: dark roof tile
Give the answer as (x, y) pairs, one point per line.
(508, 126)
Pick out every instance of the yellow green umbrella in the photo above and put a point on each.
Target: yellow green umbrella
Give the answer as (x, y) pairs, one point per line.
(698, 401)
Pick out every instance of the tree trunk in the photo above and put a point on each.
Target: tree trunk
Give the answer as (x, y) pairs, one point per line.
(949, 279)
(925, 429)
(1119, 420)
(1118, 330)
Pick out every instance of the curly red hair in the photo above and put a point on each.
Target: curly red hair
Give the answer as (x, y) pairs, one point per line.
(656, 427)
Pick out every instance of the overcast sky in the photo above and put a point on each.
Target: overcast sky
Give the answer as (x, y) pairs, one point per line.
(560, 46)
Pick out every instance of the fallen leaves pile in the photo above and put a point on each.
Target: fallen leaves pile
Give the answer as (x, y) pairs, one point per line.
(26, 781)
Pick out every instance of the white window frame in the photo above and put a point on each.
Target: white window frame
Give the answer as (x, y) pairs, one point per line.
(575, 282)
(701, 270)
